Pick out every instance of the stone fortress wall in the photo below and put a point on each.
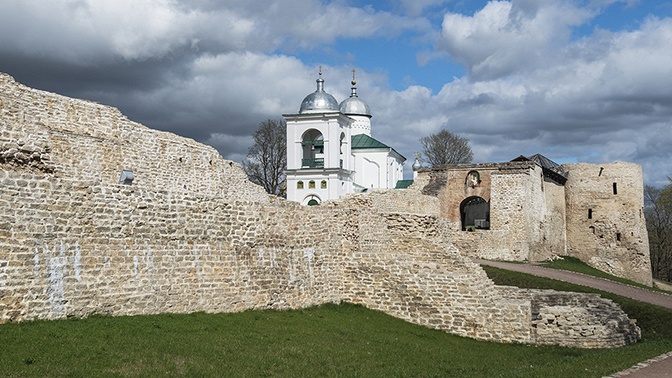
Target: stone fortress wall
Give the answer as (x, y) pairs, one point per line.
(605, 219)
(596, 216)
(526, 212)
(192, 234)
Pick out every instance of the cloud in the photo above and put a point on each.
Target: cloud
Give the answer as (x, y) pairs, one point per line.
(503, 35)
(93, 31)
(540, 75)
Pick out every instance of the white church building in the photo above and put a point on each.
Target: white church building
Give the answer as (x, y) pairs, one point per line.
(330, 151)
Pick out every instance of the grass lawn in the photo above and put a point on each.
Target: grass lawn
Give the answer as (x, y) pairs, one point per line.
(332, 340)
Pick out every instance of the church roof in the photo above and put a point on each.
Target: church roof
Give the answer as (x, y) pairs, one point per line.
(319, 101)
(353, 105)
(363, 141)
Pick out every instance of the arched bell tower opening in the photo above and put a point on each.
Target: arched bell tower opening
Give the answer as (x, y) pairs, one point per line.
(312, 142)
(475, 214)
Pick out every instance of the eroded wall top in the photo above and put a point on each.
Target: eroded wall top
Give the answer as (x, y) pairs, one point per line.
(78, 139)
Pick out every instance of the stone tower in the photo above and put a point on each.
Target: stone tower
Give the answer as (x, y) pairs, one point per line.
(605, 219)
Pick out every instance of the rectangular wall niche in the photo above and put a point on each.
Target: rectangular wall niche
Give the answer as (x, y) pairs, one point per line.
(590, 213)
(126, 177)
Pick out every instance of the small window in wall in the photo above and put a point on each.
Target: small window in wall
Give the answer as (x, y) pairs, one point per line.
(590, 213)
(299, 185)
(323, 184)
(311, 184)
(615, 189)
(592, 229)
(618, 236)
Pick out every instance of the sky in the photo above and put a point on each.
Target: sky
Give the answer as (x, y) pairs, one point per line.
(574, 80)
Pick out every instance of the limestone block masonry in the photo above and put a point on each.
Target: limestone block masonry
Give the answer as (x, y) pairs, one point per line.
(605, 219)
(596, 215)
(193, 234)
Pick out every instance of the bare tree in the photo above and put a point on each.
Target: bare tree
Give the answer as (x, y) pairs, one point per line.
(658, 209)
(266, 160)
(445, 147)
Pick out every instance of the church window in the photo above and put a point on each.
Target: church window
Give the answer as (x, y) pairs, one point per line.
(299, 185)
(313, 202)
(615, 189)
(311, 184)
(323, 184)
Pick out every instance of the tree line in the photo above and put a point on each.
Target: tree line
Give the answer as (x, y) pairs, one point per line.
(658, 212)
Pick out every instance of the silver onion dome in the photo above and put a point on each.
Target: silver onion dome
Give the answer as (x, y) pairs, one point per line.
(319, 101)
(416, 164)
(354, 105)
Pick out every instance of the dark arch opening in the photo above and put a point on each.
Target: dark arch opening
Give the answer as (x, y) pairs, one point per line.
(313, 149)
(475, 214)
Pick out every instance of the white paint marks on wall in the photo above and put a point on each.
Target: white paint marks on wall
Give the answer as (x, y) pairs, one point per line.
(56, 269)
(292, 268)
(78, 262)
(309, 255)
(236, 271)
(272, 257)
(260, 256)
(197, 262)
(149, 260)
(3, 272)
(36, 263)
(136, 274)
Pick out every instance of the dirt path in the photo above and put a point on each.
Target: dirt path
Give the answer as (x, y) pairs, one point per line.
(657, 367)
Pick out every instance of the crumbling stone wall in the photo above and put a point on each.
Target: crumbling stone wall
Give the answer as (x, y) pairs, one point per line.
(73, 242)
(526, 212)
(567, 319)
(50, 133)
(597, 216)
(605, 219)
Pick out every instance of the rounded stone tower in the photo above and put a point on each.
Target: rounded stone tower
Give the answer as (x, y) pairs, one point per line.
(605, 219)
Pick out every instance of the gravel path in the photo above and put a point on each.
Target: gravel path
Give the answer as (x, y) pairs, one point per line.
(656, 367)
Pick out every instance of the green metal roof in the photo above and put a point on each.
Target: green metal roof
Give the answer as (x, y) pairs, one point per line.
(403, 184)
(365, 141)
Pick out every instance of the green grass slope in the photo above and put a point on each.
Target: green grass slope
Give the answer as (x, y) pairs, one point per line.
(332, 340)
